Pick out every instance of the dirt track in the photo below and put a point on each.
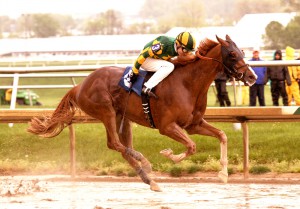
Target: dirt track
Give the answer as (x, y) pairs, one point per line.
(202, 190)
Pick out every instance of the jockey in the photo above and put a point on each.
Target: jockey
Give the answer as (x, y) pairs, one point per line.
(156, 57)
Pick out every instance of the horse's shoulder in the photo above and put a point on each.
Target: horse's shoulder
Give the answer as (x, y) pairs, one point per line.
(205, 45)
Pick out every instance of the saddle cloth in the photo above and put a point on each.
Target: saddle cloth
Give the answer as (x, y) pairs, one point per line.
(137, 86)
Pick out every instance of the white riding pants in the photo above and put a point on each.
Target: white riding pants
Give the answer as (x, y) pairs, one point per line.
(162, 69)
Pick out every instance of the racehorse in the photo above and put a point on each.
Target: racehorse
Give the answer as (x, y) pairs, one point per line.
(180, 107)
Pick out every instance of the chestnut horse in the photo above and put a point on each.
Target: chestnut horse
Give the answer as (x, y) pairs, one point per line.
(181, 105)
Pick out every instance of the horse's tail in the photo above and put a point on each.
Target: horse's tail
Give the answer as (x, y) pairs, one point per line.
(50, 126)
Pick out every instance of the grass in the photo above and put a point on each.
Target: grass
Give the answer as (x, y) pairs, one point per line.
(259, 169)
(273, 146)
(23, 152)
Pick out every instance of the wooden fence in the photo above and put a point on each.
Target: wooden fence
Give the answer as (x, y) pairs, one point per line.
(242, 115)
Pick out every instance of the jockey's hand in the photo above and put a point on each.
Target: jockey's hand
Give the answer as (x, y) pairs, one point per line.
(129, 79)
(133, 77)
(187, 58)
(183, 60)
(174, 61)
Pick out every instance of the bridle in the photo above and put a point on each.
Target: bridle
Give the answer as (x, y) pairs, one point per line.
(228, 64)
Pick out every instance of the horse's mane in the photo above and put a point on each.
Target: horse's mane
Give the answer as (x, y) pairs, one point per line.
(205, 45)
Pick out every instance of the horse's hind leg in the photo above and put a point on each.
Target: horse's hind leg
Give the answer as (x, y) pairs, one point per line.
(206, 129)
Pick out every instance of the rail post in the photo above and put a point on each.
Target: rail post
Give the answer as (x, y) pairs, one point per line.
(13, 99)
(246, 149)
(72, 150)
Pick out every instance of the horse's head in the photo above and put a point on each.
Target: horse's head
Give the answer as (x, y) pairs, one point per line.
(234, 64)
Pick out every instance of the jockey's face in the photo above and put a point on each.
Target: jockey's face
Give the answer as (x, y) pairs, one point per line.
(182, 51)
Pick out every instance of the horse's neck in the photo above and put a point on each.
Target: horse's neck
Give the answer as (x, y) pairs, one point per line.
(202, 73)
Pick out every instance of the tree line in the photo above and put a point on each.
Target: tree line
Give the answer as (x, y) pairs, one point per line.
(278, 37)
(157, 16)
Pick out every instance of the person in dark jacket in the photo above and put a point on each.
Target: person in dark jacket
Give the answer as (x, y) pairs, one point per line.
(278, 75)
(222, 94)
(257, 90)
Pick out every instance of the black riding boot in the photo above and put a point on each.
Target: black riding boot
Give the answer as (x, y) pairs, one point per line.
(148, 92)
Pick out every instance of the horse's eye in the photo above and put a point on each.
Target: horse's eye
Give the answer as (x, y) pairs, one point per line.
(232, 54)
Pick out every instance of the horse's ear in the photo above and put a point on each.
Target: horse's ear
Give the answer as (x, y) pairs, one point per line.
(228, 38)
(221, 41)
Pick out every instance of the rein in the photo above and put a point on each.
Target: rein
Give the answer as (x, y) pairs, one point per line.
(208, 58)
(231, 72)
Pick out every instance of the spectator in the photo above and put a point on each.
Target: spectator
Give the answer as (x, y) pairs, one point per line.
(222, 93)
(257, 89)
(294, 71)
(298, 76)
(245, 95)
(278, 76)
(242, 94)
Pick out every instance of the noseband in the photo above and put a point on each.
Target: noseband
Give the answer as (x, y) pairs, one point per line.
(231, 69)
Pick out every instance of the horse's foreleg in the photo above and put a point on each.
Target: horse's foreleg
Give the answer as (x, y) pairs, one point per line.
(175, 132)
(206, 129)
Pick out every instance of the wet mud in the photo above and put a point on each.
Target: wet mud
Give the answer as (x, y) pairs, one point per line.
(121, 193)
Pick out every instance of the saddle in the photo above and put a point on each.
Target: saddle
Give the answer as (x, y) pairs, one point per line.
(137, 88)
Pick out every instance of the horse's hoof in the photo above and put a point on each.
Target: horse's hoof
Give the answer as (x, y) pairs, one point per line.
(178, 158)
(166, 152)
(154, 186)
(223, 176)
(169, 154)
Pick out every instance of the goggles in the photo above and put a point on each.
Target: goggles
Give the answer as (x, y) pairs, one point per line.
(184, 50)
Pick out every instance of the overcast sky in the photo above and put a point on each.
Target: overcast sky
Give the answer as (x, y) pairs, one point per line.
(15, 8)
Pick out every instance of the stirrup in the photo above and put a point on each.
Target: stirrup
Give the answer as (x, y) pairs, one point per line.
(148, 92)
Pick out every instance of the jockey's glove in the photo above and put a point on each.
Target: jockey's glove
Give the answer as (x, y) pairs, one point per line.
(133, 77)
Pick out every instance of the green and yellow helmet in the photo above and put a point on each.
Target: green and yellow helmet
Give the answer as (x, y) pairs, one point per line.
(187, 40)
